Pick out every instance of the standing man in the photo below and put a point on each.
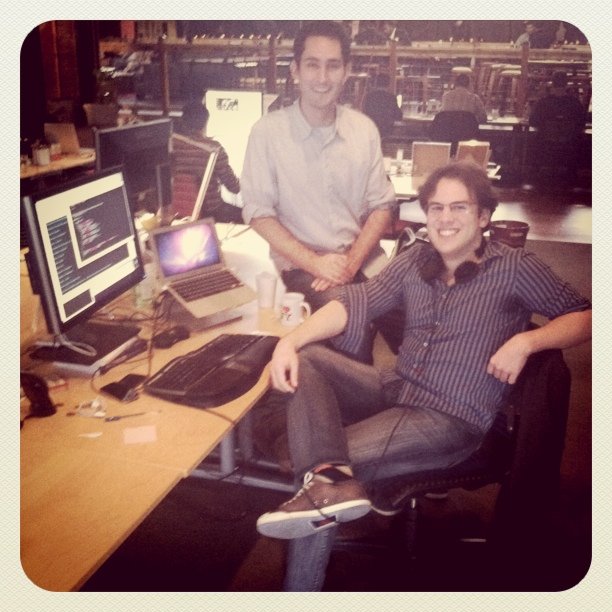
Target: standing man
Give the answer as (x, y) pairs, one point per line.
(313, 181)
(468, 303)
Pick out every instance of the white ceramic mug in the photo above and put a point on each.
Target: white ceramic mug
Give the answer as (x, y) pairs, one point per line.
(294, 309)
(266, 289)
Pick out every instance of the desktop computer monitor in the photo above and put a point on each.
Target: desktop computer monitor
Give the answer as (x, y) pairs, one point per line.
(83, 253)
(231, 117)
(141, 149)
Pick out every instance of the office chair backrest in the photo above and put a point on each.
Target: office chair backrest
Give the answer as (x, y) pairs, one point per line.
(381, 106)
(540, 399)
(560, 130)
(453, 126)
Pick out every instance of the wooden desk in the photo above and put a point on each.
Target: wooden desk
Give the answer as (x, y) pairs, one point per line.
(65, 162)
(85, 486)
(406, 185)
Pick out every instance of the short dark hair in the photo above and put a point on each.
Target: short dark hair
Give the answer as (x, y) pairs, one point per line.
(463, 80)
(470, 174)
(329, 29)
(195, 115)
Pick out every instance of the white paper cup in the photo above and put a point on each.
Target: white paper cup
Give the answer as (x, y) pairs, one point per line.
(266, 289)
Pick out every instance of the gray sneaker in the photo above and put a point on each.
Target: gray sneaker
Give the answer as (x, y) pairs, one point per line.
(316, 506)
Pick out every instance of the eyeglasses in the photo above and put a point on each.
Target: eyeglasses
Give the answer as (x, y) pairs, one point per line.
(456, 209)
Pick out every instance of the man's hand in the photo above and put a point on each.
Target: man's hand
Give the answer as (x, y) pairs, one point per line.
(508, 361)
(333, 268)
(284, 366)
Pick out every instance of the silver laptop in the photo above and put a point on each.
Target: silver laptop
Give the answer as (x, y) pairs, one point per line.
(181, 145)
(190, 266)
(65, 134)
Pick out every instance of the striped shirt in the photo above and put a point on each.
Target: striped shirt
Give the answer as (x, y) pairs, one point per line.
(450, 333)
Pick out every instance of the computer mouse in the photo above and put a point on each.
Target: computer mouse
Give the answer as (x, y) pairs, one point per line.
(171, 336)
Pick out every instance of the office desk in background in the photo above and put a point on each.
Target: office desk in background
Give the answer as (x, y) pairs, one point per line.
(65, 162)
(508, 136)
(87, 484)
(407, 185)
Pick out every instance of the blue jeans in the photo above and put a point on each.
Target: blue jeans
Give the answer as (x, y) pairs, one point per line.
(342, 412)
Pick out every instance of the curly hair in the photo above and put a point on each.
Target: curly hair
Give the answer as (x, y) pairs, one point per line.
(470, 174)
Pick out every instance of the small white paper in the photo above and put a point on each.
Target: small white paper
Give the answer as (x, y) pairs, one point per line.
(140, 435)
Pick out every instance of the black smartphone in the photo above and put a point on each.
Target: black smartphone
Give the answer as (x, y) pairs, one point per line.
(125, 389)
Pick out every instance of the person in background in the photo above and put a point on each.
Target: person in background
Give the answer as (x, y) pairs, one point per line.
(524, 38)
(193, 125)
(560, 35)
(468, 302)
(460, 98)
(558, 103)
(559, 119)
(313, 181)
(534, 36)
(461, 31)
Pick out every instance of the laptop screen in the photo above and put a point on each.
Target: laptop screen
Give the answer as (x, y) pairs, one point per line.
(185, 248)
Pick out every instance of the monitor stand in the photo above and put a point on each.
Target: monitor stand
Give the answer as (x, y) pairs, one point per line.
(109, 340)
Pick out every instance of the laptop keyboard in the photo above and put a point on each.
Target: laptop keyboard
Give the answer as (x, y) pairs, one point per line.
(201, 286)
(216, 373)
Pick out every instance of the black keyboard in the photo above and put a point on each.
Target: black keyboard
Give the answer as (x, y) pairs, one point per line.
(202, 286)
(219, 371)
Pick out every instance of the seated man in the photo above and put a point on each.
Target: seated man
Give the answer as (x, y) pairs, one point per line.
(559, 119)
(468, 303)
(193, 125)
(559, 104)
(461, 99)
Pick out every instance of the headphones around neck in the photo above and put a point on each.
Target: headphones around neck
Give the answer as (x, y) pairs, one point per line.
(433, 266)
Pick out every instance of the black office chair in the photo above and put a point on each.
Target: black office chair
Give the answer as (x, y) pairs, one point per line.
(453, 126)
(522, 451)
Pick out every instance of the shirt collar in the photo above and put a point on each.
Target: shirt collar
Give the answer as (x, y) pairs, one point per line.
(304, 129)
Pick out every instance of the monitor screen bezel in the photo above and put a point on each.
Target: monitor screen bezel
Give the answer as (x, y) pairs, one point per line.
(38, 264)
(126, 131)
